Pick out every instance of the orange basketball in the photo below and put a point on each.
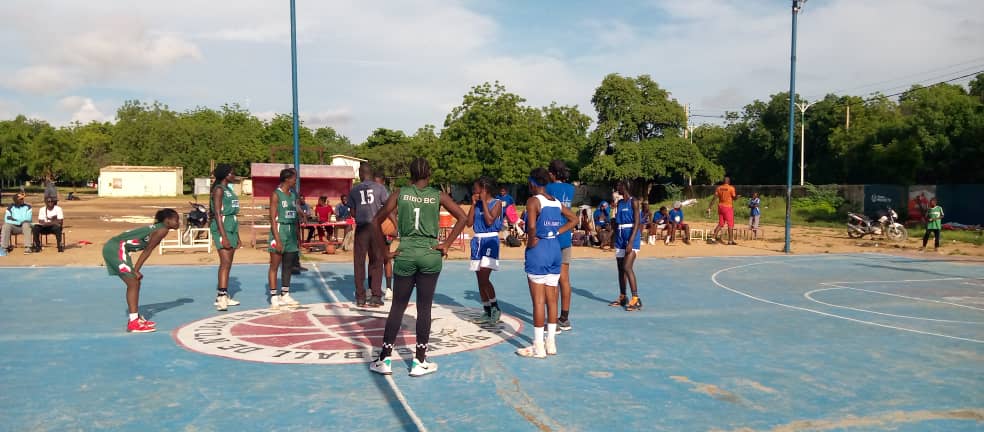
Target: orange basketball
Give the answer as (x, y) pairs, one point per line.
(389, 228)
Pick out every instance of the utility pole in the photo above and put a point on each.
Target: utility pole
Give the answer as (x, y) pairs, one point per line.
(847, 123)
(293, 81)
(803, 106)
(797, 5)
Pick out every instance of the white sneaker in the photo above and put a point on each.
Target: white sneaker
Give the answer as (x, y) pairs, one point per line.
(222, 303)
(382, 367)
(535, 351)
(287, 300)
(230, 302)
(388, 295)
(551, 346)
(275, 302)
(422, 368)
(667, 241)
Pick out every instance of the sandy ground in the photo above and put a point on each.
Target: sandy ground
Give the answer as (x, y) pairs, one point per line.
(95, 220)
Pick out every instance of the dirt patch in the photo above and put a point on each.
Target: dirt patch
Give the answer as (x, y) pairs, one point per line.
(881, 420)
(757, 386)
(710, 390)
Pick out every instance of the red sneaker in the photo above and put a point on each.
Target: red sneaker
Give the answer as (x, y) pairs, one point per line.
(147, 322)
(139, 326)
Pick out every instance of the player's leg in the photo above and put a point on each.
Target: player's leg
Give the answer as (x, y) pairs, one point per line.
(290, 258)
(564, 322)
(550, 290)
(360, 250)
(629, 262)
(538, 298)
(621, 301)
(135, 324)
(403, 287)
(375, 269)
(426, 285)
(275, 262)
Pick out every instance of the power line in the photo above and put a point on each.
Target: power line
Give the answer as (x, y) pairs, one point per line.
(975, 61)
(910, 90)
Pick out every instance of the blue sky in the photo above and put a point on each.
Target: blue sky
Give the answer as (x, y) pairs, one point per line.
(403, 64)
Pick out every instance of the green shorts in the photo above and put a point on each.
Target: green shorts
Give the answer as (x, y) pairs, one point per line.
(117, 260)
(417, 256)
(288, 236)
(231, 225)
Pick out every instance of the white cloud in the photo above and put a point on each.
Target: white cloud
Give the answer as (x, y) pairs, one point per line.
(112, 47)
(83, 110)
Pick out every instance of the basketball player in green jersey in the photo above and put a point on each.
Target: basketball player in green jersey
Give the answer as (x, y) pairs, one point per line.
(284, 236)
(225, 230)
(116, 254)
(417, 262)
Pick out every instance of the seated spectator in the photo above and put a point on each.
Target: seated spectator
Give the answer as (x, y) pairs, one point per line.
(585, 225)
(646, 218)
(17, 220)
(660, 222)
(324, 213)
(50, 221)
(602, 222)
(307, 216)
(342, 214)
(676, 219)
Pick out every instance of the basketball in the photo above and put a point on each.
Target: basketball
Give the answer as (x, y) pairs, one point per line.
(389, 228)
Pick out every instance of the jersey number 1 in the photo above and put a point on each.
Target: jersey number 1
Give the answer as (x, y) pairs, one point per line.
(416, 219)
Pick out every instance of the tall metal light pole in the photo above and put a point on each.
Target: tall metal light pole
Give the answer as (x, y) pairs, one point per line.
(797, 5)
(293, 82)
(803, 106)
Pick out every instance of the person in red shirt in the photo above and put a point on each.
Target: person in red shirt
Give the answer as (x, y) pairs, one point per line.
(725, 196)
(324, 212)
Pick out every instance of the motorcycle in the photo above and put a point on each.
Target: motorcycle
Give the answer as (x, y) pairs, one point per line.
(859, 225)
(196, 218)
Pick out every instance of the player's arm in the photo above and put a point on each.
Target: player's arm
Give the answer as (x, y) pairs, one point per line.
(273, 222)
(376, 227)
(155, 239)
(470, 219)
(459, 225)
(636, 223)
(571, 220)
(217, 215)
(532, 213)
(493, 214)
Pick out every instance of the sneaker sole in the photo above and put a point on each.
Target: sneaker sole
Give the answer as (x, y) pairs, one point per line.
(428, 372)
(142, 331)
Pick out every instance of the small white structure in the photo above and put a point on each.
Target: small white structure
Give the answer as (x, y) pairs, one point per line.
(140, 181)
(190, 238)
(354, 162)
(203, 186)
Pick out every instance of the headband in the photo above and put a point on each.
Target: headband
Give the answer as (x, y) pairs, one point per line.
(534, 182)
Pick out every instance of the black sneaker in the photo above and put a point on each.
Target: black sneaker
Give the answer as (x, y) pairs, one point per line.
(564, 324)
(61, 249)
(360, 303)
(375, 302)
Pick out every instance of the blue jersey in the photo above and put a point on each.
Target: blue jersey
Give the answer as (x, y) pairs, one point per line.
(564, 192)
(676, 215)
(544, 259)
(625, 220)
(479, 224)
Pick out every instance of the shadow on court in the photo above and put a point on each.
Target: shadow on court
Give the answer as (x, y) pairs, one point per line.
(149, 310)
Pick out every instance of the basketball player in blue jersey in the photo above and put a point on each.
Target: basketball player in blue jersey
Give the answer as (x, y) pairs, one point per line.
(545, 222)
(485, 218)
(628, 240)
(564, 192)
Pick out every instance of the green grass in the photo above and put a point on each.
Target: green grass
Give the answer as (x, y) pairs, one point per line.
(972, 237)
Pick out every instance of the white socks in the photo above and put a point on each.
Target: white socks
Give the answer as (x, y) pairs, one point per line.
(537, 334)
(134, 316)
(551, 330)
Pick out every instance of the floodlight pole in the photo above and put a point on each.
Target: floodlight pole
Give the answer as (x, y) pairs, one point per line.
(803, 107)
(797, 5)
(293, 82)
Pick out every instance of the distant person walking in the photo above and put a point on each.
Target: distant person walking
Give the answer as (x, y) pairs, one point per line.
(725, 196)
(755, 214)
(365, 200)
(934, 222)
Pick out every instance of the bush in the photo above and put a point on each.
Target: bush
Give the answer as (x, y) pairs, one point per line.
(821, 203)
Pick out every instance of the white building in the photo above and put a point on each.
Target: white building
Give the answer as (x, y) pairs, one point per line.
(354, 162)
(140, 181)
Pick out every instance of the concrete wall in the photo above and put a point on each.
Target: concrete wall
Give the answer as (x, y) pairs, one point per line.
(136, 182)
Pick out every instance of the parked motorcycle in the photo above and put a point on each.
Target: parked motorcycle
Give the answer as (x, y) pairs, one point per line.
(859, 225)
(196, 218)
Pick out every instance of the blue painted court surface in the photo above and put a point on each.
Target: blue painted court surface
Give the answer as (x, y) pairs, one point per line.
(846, 342)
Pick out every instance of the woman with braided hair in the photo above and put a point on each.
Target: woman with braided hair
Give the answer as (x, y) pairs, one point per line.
(225, 230)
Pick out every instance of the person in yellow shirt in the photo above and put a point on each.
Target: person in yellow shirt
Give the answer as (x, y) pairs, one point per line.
(725, 196)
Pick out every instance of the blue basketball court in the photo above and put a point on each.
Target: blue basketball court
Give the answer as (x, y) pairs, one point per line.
(832, 342)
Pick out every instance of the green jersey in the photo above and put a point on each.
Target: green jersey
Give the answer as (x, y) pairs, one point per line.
(934, 213)
(286, 207)
(134, 240)
(230, 202)
(419, 212)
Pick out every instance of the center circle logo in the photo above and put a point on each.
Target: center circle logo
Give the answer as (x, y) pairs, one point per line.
(336, 333)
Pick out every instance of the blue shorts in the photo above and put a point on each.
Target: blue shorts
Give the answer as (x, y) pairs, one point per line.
(622, 239)
(544, 259)
(485, 252)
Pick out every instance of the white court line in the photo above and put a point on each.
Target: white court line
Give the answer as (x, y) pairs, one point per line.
(906, 297)
(389, 378)
(896, 281)
(809, 295)
(714, 279)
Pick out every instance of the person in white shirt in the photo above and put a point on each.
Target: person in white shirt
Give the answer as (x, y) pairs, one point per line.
(50, 219)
